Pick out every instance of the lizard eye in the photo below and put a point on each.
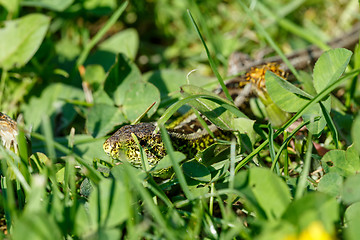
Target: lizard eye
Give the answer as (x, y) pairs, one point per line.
(142, 142)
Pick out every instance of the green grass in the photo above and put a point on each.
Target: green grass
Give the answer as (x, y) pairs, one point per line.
(78, 70)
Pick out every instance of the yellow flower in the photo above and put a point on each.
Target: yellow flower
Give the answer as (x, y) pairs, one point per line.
(257, 74)
(315, 231)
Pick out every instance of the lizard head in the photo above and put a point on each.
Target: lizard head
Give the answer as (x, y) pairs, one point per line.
(122, 146)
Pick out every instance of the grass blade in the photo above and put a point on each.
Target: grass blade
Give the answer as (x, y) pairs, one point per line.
(143, 157)
(305, 171)
(272, 149)
(211, 61)
(223, 102)
(149, 203)
(90, 172)
(292, 27)
(203, 123)
(287, 139)
(2, 84)
(100, 34)
(70, 187)
(7, 188)
(269, 39)
(286, 157)
(170, 151)
(15, 169)
(331, 125)
(159, 192)
(49, 142)
(138, 119)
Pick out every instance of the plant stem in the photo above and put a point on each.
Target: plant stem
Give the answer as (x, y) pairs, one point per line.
(80, 61)
(286, 160)
(179, 174)
(211, 61)
(305, 172)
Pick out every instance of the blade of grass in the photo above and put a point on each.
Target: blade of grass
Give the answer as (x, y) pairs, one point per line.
(90, 172)
(212, 39)
(71, 140)
(173, 108)
(23, 154)
(143, 157)
(153, 187)
(301, 186)
(196, 220)
(211, 61)
(331, 125)
(291, 27)
(226, 212)
(70, 186)
(149, 203)
(203, 123)
(8, 198)
(20, 195)
(235, 226)
(143, 114)
(210, 225)
(272, 149)
(49, 143)
(225, 191)
(80, 61)
(315, 100)
(158, 192)
(69, 177)
(290, 7)
(10, 158)
(287, 139)
(170, 151)
(23, 146)
(132, 211)
(2, 84)
(7, 189)
(211, 201)
(232, 164)
(57, 202)
(354, 82)
(286, 160)
(269, 39)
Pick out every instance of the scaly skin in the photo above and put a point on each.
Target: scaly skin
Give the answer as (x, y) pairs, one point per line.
(121, 145)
